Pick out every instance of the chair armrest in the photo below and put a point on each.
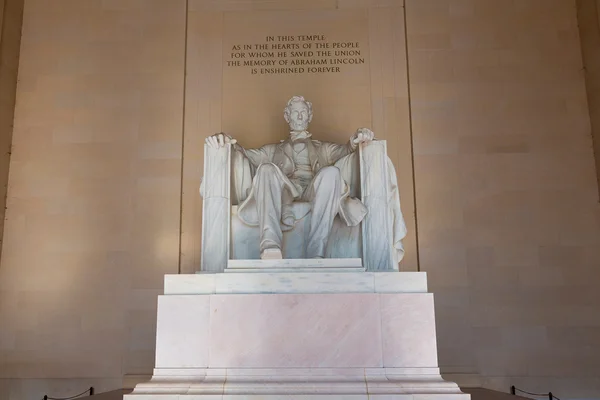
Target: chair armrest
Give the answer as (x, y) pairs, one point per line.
(377, 236)
(216, 208)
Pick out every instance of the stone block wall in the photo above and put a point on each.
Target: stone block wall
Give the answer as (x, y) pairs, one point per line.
(94, 196)
(11, 17)
(588, 15)
(507, 200)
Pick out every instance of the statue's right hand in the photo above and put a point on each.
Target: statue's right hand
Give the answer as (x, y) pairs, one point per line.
(219, 140)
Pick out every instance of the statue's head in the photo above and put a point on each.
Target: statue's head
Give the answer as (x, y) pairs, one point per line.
(298, 113)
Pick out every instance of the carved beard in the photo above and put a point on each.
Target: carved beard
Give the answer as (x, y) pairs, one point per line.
(298, 125)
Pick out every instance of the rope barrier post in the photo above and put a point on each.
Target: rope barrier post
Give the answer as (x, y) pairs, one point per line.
(550, 396)
(45, 397)
(513, 390)
(91, 390)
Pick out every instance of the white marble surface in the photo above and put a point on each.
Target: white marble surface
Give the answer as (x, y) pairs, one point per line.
(291, 264)
(295, 330)
(245, 238)
(406, 327)
(182, 332)
(266, 183)
(297, 383)
(297, 282)
(400, 282)
(339, 345)
(216, 209)
(296, 265)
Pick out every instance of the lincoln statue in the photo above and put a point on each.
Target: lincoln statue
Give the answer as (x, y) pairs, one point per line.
(299, 168)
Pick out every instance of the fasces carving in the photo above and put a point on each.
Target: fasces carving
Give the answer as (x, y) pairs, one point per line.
(303, 197)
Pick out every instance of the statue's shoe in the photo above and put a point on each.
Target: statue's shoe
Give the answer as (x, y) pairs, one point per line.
(288, 220)
(272, 253)
(287, 216)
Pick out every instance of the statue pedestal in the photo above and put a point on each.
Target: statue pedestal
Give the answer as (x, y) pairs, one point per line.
(296, 335)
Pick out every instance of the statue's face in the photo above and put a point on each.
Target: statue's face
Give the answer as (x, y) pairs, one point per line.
(299, 116)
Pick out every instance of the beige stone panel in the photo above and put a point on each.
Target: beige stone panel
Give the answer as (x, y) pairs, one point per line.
(159, 126)
(487, 337)
(455, 323)
(202, 118)
(96, 163)
(437, 172)
(2, 5)
(582, 387)
(498, 362)
(10, 38)
(71, 275)
(528, 315)
(260, 5)
(368, 3)
(589, 31)
(5, 384)
(573, 337)
(579, 364)
(556, 256)
(445, 266)
(141, 340)
(338, 99)
(42, 363)
(17, 389)
(455, 358)
(390, 109)
(499, 117)
(494, 276)
(457, 297)
(547, 276)
(449, 204)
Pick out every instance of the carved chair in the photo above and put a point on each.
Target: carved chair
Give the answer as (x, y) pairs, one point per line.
(225, 237)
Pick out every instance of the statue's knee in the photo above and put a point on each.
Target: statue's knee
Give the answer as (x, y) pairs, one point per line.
(330, 173)
(266, 170)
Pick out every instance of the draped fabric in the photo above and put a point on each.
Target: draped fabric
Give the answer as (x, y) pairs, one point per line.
(245, 162)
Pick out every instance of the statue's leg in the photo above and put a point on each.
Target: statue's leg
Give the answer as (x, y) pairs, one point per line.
(268, 189)
(324, 194)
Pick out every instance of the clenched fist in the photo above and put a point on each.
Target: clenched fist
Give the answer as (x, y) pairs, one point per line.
(219, 140)
(362, 135)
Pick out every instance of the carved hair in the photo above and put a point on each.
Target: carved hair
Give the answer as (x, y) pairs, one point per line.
(297, 99)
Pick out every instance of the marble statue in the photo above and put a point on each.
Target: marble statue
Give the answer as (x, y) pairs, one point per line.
(269, 179)
(238, 329)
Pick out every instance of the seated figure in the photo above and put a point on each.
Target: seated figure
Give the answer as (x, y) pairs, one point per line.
(266, 181)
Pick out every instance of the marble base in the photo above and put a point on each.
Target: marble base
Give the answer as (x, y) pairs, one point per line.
(364, 335)
(296, 282)
(297, 265)
(322, 383)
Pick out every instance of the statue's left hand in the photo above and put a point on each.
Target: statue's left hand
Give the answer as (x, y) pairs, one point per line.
(362, 135)
(219, 140)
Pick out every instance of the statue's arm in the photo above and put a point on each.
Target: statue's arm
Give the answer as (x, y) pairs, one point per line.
(256, 156)
(335, 151)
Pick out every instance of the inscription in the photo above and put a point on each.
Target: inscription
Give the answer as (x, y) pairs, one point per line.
(295, 54)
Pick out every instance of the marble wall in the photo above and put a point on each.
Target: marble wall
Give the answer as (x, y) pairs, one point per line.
(588, 15)
(116, 96)
(93, 210)
(507, 201)
(217, 97)
(11, 16)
